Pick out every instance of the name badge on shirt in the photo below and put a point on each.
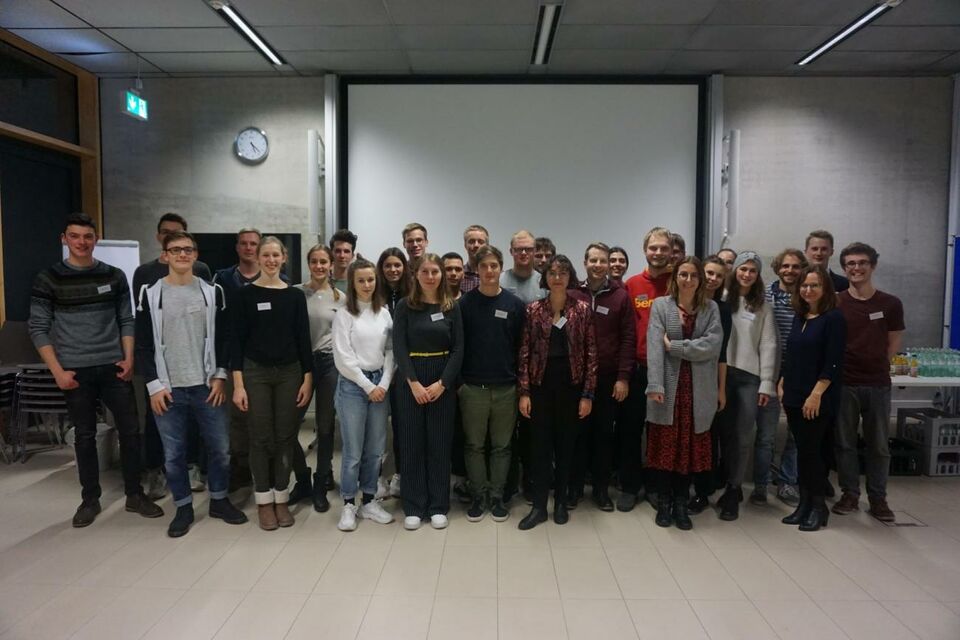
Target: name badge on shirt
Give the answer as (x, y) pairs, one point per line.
(643, 297)
(436, 317)
(876, 315)
(194, 309)
(500, 313)
(559, 324)
(103, 289)
(602, 310)
(263, 306)
(746, 315)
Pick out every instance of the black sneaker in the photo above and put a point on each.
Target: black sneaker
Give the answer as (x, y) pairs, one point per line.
(224, 510)
(573, 499)
(141, 504)
(320, 502)
(302, 489)
(498, 511)
(181, 521)
(603, 501)
(476, 510)
(729, 504)
(626, 501)
(86, 513)
(697, 504)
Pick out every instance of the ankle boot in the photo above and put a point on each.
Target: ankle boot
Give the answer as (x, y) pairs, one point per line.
(817, 517)
(664, 511)
(284, 517)
(303, 488)
(267, 517)
(800, 513)
(320, 502)
(680, 515)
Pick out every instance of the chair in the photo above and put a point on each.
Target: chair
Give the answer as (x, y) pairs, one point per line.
(36, 394)
(8, 381)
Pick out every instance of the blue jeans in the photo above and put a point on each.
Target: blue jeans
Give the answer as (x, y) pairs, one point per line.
(174, 428)
(768, 418)
(363, 428)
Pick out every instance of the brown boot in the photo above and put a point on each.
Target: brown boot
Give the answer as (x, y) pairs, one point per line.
(880, 510)
(284, 517)
(267, 516)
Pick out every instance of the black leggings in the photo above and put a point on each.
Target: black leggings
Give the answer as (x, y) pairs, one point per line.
(813, 449)
(554, 426)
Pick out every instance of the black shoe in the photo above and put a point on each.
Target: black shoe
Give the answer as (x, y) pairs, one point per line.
(651, 497)
(729, 504)
(532, 519)
(680, 515)
(320, 502)
(223, 509)
(697, 504)
(626, 501)
(800, 513)
(573, 499)
(528, 496)
(603, 501)
(141, 504)
(560, 513)
(303, 488)
(329, 483)
(463, 494)
(498, 511)
(664, 512)
(816, 517)
(86, 513)
(476, 510)
(181, 522)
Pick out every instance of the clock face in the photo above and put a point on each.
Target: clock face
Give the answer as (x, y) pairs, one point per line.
(251, 145)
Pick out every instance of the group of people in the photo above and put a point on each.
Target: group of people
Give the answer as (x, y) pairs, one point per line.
(522, 381)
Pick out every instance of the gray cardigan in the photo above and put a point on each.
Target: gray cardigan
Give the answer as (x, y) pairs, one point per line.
(663, 369)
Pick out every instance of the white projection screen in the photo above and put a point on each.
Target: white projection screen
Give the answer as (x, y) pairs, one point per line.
(574, 162)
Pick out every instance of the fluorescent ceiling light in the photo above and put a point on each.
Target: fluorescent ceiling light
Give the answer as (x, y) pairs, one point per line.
(546, 30)
(234, 19)
(848, 31)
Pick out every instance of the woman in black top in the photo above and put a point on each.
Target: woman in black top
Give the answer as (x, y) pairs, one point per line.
(428, 348)
(272, 363)
(809, 388)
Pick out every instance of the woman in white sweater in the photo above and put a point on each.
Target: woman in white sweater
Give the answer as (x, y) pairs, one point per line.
(752, 356)
(363, 354)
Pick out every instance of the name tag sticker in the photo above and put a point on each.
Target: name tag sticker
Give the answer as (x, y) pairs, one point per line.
(263, 306)
(746, 315)
(194, 309)
(876, 315)
(602, 310)
(500, 313)
(103, 289)
(559, 324)
(643, 297)
(436, 317)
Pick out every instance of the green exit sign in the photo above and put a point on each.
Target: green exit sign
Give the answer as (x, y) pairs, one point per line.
(134, 105)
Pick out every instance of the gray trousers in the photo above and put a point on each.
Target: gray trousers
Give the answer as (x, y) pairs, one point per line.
(870, 407)
(740, 420)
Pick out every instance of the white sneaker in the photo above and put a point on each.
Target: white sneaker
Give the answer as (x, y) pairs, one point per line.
(383, 490)
(373, 510)
(395, 485)
(348, 518)
(156, 484)
(196, 479)
(411, 523)
(438, 521)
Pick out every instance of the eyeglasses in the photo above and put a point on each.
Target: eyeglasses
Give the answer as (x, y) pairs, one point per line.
(176, 251)
(522, 249)
(557, 274)
(806, 285)
(856, 263)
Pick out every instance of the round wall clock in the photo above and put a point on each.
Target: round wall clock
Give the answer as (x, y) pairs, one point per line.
(251, 145)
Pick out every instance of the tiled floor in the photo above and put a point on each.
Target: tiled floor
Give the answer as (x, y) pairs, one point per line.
(602, 576)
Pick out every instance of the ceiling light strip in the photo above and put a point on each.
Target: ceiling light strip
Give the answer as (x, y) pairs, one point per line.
(247, 31)
(546, 30)
(848, 31)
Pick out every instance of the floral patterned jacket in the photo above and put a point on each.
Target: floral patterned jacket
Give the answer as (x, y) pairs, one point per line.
(581, 341)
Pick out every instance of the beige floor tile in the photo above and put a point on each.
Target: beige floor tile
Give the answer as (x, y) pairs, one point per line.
(718, 534)
(411, 571)
(871, 573)
(700, 575)
(769, 533)
(620, 529)
(953, 606)
(641, 573)
(353, 570)
(298, 567)
(670, 537)
(68, 558)
(262, 616)
(63, 614)
(798, 620)
(130, 615)
(726, 620)
(20, 600)
(866, 621)
(584, 572)
(468, 572)
(462, 532)
(241, 566)
(817, 576)
(931, 571)
(131, 562)
(526, 573)
(184, 566)
(330, 617)
(197, 615)
(758, 575)
(665, 620)
(578, 532)
(396, 618)
(531, 619)
(463, 619)
(510, 536)
(592, 619)
(929, 620)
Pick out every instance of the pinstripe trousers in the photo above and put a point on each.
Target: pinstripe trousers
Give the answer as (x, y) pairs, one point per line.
(426, 438)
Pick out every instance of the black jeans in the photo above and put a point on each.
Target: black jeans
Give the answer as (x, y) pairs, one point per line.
(554, 426)
(630, 432)
(594, 449)
(813, 449)
(101, 383)
(324, 385)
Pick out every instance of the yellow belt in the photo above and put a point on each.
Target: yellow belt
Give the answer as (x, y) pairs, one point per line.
(428, 354)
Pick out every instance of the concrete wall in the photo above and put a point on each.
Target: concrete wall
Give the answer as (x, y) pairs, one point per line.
(182, 159)
(866, 158)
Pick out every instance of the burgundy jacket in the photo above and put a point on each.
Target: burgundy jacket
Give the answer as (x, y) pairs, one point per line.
(581, 341)
(615, 321)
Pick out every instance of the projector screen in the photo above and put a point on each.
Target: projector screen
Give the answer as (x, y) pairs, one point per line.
(574, 162)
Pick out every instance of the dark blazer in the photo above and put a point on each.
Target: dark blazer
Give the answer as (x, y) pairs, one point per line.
(581, 342)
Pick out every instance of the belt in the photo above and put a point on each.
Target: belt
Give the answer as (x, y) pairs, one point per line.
(428, 354)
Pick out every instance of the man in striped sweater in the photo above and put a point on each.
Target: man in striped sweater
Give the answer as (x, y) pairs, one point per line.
(81, 323)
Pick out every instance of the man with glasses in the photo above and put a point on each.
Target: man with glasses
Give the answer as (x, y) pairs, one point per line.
(519, 280)
(415, 243)
(874, 333)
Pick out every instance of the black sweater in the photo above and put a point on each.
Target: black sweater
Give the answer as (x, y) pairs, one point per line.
(416, 331)
(492, 328)
(270, 327)
(814, 352)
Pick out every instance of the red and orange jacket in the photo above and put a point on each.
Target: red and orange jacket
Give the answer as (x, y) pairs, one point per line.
(581, 342)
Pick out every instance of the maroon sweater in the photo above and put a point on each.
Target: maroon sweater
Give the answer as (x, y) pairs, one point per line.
(615, 323)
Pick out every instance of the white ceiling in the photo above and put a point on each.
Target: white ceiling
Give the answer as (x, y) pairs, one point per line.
(185, 37)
